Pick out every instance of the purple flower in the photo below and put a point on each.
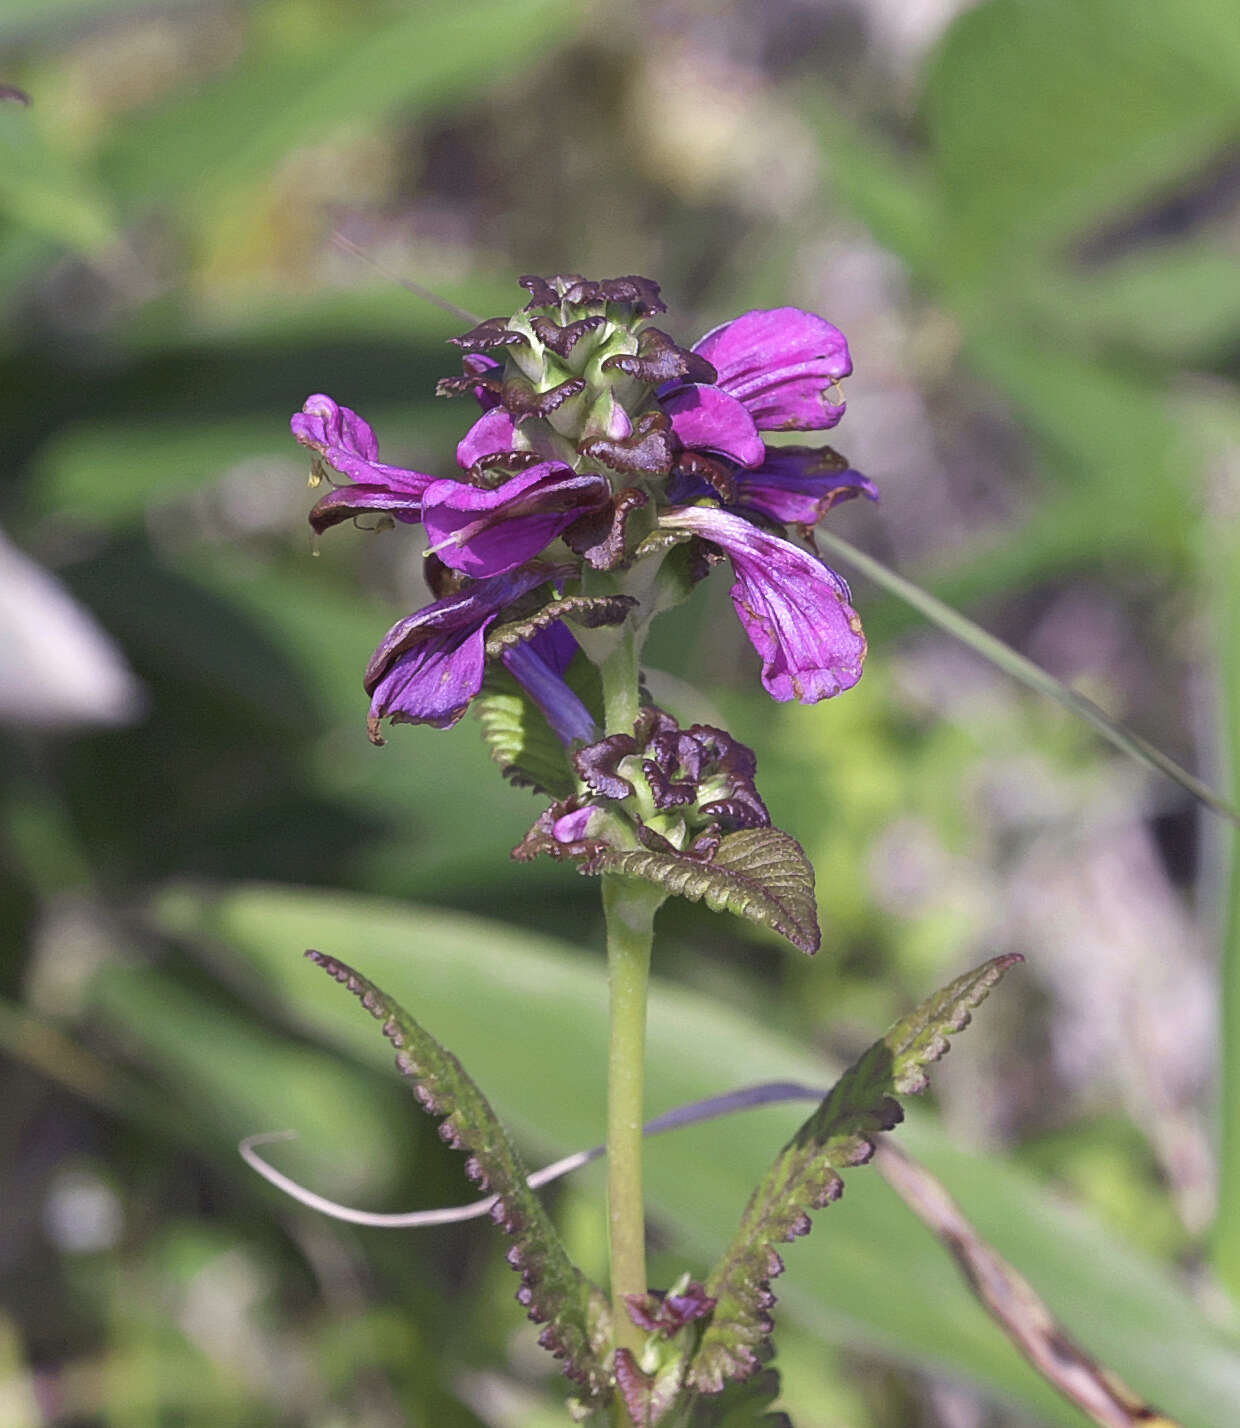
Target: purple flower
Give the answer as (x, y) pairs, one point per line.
(776, 369)
(430, 665)
(795, 611)
(798, 485)
(485, 532)
(341, 440)
(783, 365)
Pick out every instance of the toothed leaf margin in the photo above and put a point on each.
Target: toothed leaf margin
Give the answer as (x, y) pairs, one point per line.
(553, 1290)
(805, 1175)
(761, 874)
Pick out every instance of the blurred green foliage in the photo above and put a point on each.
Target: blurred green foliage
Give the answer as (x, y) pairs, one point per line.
(1029, 226)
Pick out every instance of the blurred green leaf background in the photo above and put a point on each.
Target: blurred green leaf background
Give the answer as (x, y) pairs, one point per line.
(1025, 214)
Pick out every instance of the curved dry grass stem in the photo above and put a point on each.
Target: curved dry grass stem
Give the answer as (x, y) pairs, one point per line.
(765, 1094)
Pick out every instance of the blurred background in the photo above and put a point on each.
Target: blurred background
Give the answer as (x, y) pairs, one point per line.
(1025, 214)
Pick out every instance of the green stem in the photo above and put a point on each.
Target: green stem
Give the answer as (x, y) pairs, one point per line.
(619, 673)
(629, 907)
(1024, 670)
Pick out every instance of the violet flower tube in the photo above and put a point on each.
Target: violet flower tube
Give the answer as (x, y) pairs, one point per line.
(539, 665)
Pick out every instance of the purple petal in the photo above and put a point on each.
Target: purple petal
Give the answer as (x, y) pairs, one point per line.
(495, 431)
(571, 827)
(434, 682)
(794, 610)
(556, 645)
(783, 364)
(489, 532)
(707, 419)
(567, 715)
(322, 424)
(342, 503)
(798, 485)
(347, 444)
(430, 665)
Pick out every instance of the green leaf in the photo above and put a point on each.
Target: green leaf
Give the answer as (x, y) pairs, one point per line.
(552, 1288)
(519, 738)
(219, 1077)
(805, 1175)
(1217, 422)
(294, 90)
(741, 1405)
(40, 189)
(1046, 116)
(758, 873)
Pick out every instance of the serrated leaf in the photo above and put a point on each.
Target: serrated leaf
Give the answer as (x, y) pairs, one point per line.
(519, 738)
(553, 1290)
(517, 735)
(805, 1175)
(758, 873)
(465, 974)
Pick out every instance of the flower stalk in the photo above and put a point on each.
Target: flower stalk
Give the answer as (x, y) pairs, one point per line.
(609, 470)
(629, 908)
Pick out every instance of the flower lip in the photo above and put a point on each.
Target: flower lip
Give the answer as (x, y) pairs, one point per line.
(495, 434)
(794, 609)
(489, 335)
(572, 290)
(659, 359)
(795, 485)
(707, 418)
